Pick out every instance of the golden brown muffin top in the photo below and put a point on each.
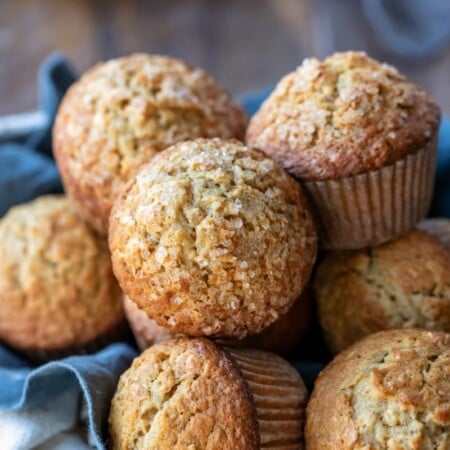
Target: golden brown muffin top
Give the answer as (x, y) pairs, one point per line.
(212, 238)
(122, 112)
(343, 116)
(389, 391)
(183, 393)
(404, 283)
(437, 227)
(57, 288)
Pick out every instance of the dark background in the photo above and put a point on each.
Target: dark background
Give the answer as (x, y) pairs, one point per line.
(246, 44)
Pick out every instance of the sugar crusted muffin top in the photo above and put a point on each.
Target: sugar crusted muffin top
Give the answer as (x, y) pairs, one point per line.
(57, 288)
(122, 112)
(403, 283)
(181, 392)
(390, 390)
(343, 116)
(212, 238)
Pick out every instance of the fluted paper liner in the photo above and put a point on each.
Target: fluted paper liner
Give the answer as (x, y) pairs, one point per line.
(279, 397)
(375, 207)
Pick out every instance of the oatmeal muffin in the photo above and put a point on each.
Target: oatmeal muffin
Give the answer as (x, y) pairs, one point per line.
(438, 227)
(123, 112)
(280, 337)
(404, 283)
(361, 137)
(58, 294)
(390, 391)
(189, 393)
(212, 238)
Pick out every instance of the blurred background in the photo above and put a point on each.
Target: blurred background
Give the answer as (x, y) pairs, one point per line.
(246, 44)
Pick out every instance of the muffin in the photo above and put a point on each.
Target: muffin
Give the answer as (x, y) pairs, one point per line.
(389, 391)
(189, 393)
(212, 238)
(437, 227)
(361, 138)
(58, 294)
(280, 337)
(123, 112)
(404, 283)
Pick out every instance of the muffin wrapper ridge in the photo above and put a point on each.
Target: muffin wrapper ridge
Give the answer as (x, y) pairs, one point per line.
(375, 207)
(279, 403)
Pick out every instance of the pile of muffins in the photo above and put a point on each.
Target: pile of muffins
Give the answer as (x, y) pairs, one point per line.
(202, 231)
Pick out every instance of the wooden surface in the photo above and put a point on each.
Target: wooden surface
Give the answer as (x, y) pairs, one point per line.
(246, 44)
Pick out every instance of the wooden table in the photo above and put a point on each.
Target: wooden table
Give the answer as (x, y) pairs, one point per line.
(246, 44)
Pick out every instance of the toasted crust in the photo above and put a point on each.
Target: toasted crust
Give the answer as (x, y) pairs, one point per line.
(184, 393)
(389, 391)
(342, 116)
(124, 111)
(404, 283)
(439, 228)
(57, 289)
(212, 238)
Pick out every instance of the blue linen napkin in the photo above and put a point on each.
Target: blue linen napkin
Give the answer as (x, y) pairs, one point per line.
(93, 376)
(27, 170)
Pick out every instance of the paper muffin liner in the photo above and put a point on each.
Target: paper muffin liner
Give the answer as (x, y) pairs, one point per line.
(375, 207)
(117, 333)
(279, 397)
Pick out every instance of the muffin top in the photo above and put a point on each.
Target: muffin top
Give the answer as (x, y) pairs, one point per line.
(189, 393)
(343, 116)
(390, 391)
(183, 393)
(404, 283)
(212, 238)
(122, 112)
(439, 228)
(57, 289)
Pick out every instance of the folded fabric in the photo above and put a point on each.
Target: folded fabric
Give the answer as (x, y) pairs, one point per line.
(39, 407)
(42, 425)
(27, 169)
(45, 401)
(414, 29)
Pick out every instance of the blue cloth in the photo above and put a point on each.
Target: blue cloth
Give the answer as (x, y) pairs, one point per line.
(414, 29)
(94, 376)
(27, 170)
